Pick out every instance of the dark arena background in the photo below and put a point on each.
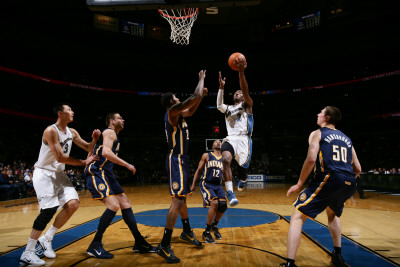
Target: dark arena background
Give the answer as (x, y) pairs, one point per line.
(301, 56)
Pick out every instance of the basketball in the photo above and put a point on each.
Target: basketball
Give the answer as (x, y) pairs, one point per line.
(232, 60)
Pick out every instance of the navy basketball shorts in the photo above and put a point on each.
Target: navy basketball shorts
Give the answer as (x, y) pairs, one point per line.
(210, 192)
(178, 174)
(326, 190)
(102, 184)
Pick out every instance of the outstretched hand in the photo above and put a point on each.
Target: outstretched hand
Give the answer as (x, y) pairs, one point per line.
(221, 81)
(293, 189)
(202, 74)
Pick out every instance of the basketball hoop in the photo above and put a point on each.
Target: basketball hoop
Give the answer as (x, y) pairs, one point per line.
(181, 21)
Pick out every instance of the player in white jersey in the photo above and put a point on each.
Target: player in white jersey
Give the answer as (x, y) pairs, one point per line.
(53, 188)
(239, 125)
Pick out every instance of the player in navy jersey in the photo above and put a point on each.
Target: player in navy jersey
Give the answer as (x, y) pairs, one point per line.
(102, 184)
(177, 165)
(336, 166)
(210, 167)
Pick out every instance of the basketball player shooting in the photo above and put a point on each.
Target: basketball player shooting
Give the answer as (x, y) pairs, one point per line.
(239, 125)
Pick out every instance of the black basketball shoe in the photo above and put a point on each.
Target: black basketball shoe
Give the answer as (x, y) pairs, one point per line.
(337, 260)
(143, 247)
(207, 237)
(167, 253)
(190, 237)
(217, 234)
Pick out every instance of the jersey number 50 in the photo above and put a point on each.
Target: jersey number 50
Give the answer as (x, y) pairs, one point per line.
(339, 153)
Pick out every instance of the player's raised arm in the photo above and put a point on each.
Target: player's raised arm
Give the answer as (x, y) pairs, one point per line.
(189, 106)
(308, 164)
(82, 143)
(200, 168)
(50, 137)
(109, 136)
(241, 65)
(220, 97)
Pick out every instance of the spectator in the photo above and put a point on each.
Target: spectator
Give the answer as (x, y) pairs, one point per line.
(20, 182)
(7, 188)
(29, 183)
(14, 182)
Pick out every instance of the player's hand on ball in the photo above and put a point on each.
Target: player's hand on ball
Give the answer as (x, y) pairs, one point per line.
(241, 64)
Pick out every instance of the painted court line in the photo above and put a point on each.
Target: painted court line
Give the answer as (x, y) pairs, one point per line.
(353, 253)
(60, 240)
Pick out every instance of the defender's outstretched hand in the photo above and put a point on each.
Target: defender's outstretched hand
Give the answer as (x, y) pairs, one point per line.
(202, 74)
(221, 81)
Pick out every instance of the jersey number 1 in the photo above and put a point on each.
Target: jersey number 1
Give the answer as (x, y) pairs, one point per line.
(339, 154)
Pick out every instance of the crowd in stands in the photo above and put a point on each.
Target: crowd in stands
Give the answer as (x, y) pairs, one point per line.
(384, 171)
(16, 178)
(15, 181)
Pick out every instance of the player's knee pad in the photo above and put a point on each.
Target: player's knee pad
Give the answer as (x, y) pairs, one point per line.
(44, 218)
(242, 173)
(222, 206)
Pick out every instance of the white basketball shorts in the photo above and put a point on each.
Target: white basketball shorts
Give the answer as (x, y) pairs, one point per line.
(242, 145)
(53, 188)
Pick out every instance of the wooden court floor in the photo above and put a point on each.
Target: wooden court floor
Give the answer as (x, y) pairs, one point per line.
(372, 223)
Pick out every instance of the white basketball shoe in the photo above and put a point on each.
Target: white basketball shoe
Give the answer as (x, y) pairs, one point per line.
(45, 246)
(31, 259)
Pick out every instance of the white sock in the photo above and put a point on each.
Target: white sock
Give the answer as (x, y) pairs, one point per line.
(51, 232)
(31, 246)
(229, 186)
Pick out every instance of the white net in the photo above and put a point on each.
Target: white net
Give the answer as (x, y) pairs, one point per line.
(181, 21)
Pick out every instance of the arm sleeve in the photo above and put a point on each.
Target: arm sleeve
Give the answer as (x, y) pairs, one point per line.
(220, 101)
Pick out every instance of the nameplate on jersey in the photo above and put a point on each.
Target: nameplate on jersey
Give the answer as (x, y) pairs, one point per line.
(214, 163)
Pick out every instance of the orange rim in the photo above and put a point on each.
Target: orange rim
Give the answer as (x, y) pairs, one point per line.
(182, 17)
